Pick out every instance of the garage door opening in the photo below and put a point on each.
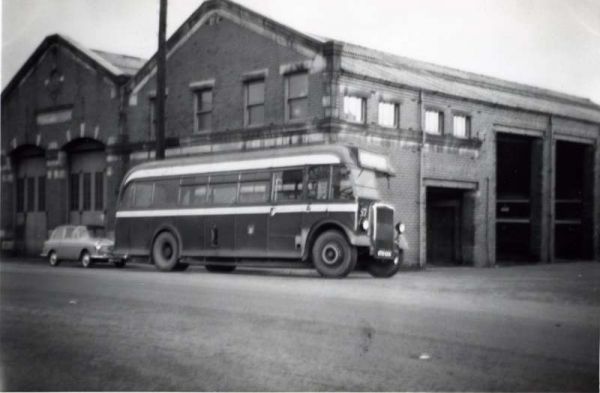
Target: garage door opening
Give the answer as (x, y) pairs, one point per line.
(449, 226)
(573, 207)
(518, 198)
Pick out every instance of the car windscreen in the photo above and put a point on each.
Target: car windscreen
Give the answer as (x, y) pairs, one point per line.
(96, 232)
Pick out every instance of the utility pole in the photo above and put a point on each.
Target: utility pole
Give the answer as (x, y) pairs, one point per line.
(161, 64)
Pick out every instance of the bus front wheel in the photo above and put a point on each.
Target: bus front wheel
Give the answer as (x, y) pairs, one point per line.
(165, 252)
(333, 256)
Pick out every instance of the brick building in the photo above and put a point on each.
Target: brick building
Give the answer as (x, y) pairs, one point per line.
(63, 121)
(487, 169)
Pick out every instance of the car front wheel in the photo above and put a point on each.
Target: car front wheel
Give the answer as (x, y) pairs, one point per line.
(85, 259)
(53, 259)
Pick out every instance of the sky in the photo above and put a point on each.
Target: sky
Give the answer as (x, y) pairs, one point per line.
(553, 44)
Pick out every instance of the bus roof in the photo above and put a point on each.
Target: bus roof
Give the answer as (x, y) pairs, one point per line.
(262, 159)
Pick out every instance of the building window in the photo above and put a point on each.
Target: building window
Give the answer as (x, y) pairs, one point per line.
(99, 191)
(152, 112)
(87, 191)
(30, 194)
(20, 195)
(74, 197)
(389, 114)
(54, 117)
(204, 106)
(461, 126)
(297, 96)
(255, 102)
(434, 122)
(355, 109)
(41, 193)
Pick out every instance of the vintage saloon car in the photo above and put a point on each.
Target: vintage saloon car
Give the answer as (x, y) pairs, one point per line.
(317, 205)
(88, 244)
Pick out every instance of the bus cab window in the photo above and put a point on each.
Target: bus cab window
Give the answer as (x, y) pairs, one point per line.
(287, 185)
(317, 186)
(341, 183)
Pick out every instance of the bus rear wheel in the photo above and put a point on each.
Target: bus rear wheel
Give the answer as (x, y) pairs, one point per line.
(333, 256)
(219, 268)
(165, 252)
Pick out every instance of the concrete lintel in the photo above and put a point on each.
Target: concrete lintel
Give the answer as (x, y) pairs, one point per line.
(509, 129)
(458, 184)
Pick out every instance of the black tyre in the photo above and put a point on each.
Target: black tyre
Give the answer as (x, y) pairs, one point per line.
(120, 263)
(53, 259)
(85, 259)
(180, 267)
(220, 268)
(383, 269)
(333, 256)
(165, 252)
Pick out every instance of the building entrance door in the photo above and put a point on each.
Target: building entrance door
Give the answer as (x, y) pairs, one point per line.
(31, 204)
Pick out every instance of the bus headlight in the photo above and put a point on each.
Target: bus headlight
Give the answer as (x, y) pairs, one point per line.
(400, 227)
(364, 224)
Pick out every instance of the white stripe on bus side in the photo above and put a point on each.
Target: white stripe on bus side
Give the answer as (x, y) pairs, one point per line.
(217, 211)
(263, 163)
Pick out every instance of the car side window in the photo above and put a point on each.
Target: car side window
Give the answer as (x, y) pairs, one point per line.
(58, 233)
(69, 232)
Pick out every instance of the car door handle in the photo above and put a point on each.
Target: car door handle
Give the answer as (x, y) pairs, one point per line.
(273, 211)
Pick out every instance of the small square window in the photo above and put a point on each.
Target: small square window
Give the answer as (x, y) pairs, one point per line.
(354, 109)
(461, 126)
(434, 122)
(389, 114)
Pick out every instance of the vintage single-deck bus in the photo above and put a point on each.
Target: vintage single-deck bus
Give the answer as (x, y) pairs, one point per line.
(312, 204)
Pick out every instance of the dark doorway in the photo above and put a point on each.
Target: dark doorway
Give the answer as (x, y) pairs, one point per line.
(518, 197)
(444, 226)
(573, 207)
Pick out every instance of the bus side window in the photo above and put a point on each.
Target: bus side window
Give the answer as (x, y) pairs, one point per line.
(143, 194)
(194, 191)
(287, 185)
(254, 187)
(341, 183)
(317, 185)
(166, 193)
(222, 189)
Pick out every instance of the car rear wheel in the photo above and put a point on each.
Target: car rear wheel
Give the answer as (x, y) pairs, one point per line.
(220, 268)
(53, 259)
(85, 259)
(333, 256)
(120, 263)
(165, 252)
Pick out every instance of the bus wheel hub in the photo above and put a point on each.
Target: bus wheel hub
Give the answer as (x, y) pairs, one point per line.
(330, 254)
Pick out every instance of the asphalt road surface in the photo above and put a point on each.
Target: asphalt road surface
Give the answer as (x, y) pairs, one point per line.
(531, 328)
